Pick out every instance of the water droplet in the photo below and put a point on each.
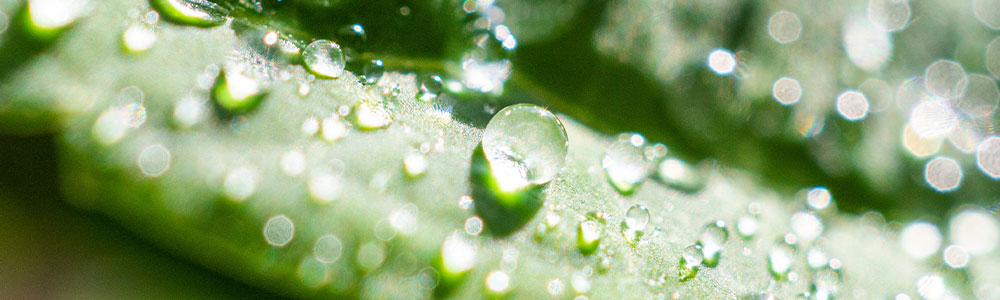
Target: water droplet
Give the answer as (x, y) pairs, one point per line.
(956, 256)
(328, 249)
(555, 287)
(919, 147)
(188, 112)
(324, 58)
(485, 77)
(324, 187)
(353, 36)
(988, 157)
(786, 90)
(430, 88)
(525, 145)
(819, 198)
(293, 163)
(404, 219)
(920, 239)
(784, 27)
(200, 13)
(333, 128)
(625, 164)
(932, 118)
(240, 183)
(154, 160)
(943, 174)
(138, 39)
(930, 287)
(457, 255)
(993, 57)
(588, 237)
(988, 12)
(680, 175)
(852, 105)
(806, 226)
(414, 163)
(371, 116)
(48, 17)
(690, 263)
(890, 15)
(747, 227)
(636, 217)
(976, 230)
(722, 61)
(981, 97)
(780, 259)
(372, 71)
(473, 225)
(816, 258)
(867, 45)
(945, 79)
(711, 240)
(497, 282)
(825, 284)
(109, 128)
(237, 93)
(371, 255)
(279, 230)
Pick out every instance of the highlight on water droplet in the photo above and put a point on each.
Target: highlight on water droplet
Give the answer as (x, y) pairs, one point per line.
(806, 226)
(784, 27)
(414, 163)
(324, 58)
(943, 174)
(497, 282)
(932, 118)
(588, 237)
(722, 62)
(819, 198)
(931, 286)
(485, 77)
(955, 256)
(525, 145)
(201, 13)
(786, 90)
(712, 240)
(188, 112)
(976, 230)
(279, 230)
(690, 262)
(625, 164)
(332, 128)
(236, 93)
(747, 227)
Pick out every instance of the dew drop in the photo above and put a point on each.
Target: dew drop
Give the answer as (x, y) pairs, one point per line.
(943, 174)
(310, 126)
(690, 262)
(430, 88)
(497, 282)
(293, 163)
(235, 92)
(324, 187)
(485, 77)
(981, 97)
(588, 237)
(138, 39)
(784, 27)
(353, 36)
(324, 58)
(920, 239)
(333, 128)
(636, 217)
(555, 287)
(473, 226)
(188, 112)
(852, 105)
(806, 226)
(525, 145)
(372, 71)
(304, 90)
(780, 259)
(328, 249)
(825, 284)
(279, 230)
(414, 163)
(240, 183)
(48, 17)
(457, 255)
(722, 61)
(945, 79)
(932, 119)
(747, 227)
(371, 116)
(712, 240)
(930, 287)
(786, 90)
(109, 128)
(976, 230)
(867, 45)
(988, 157)
(680, 175)
(154, 160)
(816, 258)
(202, 13)
(625, 164)
(955, 256)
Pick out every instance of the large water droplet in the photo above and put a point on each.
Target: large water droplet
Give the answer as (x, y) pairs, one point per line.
(525, 145)
(202, 13)
(712, 240)
(324, 58)
(690, 263)
(625, 164)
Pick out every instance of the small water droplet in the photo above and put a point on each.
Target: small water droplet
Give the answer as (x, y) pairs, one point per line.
(690, 262)
(588, 237)
(430, 88)
(988, 157)
(780, 259)
(942, 173)
(457, 255)
(328, 249)
(747, 227)
(497, 282)
(485, 77)
(920, 239)
(636, 217)
(473, 225)
(324, 187)
(240, 183)
(310, 126)
(154, 160)
(109, 128)
(293, 163)
(712, 240)
(681, 175)
(722, 61)
(188, 112)
(279, 230)
(324, 58)
(807, 226)
(816, 258)
(931, 286)
(414, 163)
(625, 164)
(48, 17)
(371, 116)
(555, 287)
(138, 39)
(202, 13)
(304, 90)
(333, 128)
(237, 93)
(852, 105)
(525, 145)
(372, 71)
(784, 27)
(353, 37)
